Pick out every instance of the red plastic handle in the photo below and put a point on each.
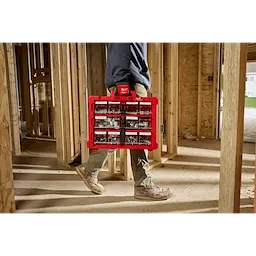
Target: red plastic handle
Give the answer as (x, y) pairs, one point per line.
(123, 91)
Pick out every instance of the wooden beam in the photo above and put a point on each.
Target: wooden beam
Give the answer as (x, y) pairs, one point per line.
(66, 99)
(171, 82)
(26, 89)
(75, 105)
(112, 163)
(45, 94)
(55, 64)
(12, 87)
(83, 94)
(125, 164)
(232, 133)
(96, 61)
(199, 102)
(215, 87)
(219, 90)
(7, 203)
(155, 60)
(51, 89)
(34, 62)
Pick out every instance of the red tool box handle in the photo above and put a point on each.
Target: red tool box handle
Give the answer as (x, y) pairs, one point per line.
(123, 91)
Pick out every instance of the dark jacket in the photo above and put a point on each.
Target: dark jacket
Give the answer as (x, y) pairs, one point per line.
(127, 64)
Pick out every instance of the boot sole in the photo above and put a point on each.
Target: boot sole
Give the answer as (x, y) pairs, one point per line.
(146, 198)
(86, 182)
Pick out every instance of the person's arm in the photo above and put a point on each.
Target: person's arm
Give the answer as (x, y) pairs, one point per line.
(120, 54)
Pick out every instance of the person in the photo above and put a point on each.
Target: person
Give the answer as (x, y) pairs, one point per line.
(126, 65)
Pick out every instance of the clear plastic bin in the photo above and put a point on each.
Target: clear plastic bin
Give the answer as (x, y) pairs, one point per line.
(113, 122)
(113, 107)
(100, 122)
(114, 137)
(107, 122)
(131, 138)
(132, 107)
(132, 122)
(145, 138)
(100, 137)
(101, 107)
(144, 123)
(145, 108)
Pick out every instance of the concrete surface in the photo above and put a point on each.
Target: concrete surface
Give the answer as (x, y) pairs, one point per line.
(40, 187)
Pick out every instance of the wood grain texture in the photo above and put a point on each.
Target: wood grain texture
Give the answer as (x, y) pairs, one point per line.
(155, 61)
(59, 131)
(171, 89)
(232, 127)
(7, 203)
(12, 87)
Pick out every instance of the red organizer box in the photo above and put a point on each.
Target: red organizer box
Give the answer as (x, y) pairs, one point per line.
(122, 122)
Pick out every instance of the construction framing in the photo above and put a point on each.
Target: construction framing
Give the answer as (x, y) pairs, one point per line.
(54, 81)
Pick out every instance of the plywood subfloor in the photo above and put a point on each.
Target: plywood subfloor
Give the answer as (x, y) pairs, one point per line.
(193, 175)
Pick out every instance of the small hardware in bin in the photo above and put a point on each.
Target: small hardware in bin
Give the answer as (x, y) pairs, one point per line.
(144, 123)
(100, 137)
(114, 137)
(132, 107)
(101, 107)
(145, 108)
(107, 122)
(145, 138)
(131, 138)
(113, 107)
(132, 122)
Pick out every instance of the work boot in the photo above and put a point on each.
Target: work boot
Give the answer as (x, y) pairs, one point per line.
(90, 179)
(154, 193)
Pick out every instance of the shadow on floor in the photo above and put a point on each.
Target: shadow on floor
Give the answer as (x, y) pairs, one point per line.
(208, 160)
(37, 191)
(201, 167)
(248, 148)
(77, 205)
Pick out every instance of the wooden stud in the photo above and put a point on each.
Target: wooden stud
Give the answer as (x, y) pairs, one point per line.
(75, 106)
(219, 90)
(171, 82)
(12, 85)
(52, 93)
(199, 102)
(66, 99)
(45, 98)
(83, 94)
(96, 61)
(112, 163)
(26, 90)
(155, 60)
(7, 202)
(125, 164)
(71, 143)
(55, 64)
(215, 87)
(232, 127)
(31, 66)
